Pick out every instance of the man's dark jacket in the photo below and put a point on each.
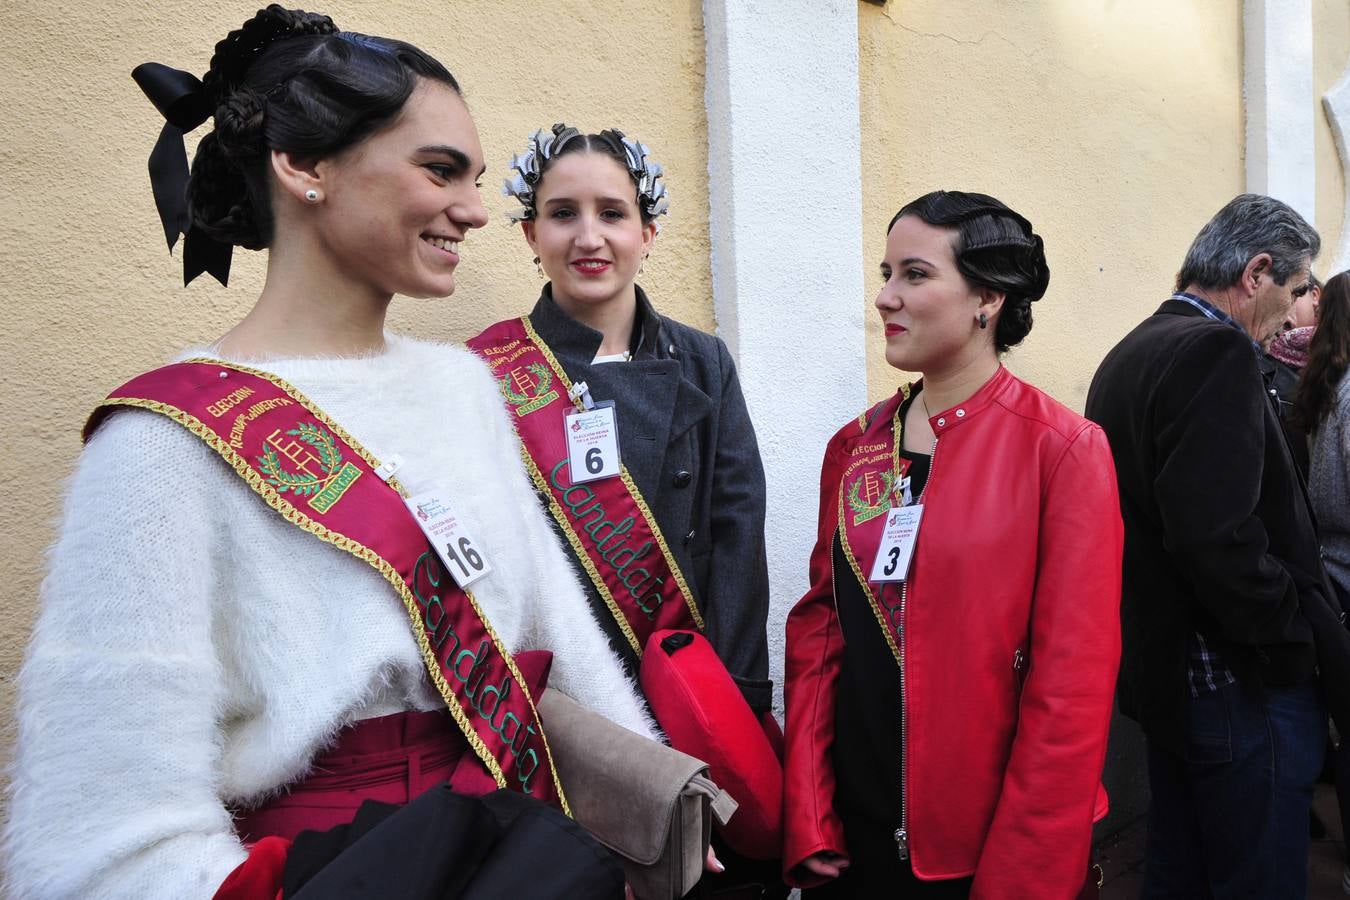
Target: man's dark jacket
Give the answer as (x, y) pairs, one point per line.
(1219, 537)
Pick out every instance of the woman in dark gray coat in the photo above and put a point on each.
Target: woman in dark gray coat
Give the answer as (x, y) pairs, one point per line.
(590, 204)
(684, 431)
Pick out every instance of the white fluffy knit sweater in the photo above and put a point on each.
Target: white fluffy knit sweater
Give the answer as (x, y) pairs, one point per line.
(194, 651)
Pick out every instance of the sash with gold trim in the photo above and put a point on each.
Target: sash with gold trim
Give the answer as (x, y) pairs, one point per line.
(867, 491)
(607, 522)
(308, 469)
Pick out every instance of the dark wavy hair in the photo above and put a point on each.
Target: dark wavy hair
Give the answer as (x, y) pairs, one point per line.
(1328, 356)
(995, 248)
(608, 142)
(289, 80)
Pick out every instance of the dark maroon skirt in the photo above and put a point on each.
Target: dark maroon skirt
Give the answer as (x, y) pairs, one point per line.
(392, 759)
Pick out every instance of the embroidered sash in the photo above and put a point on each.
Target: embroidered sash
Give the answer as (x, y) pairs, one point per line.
(307, 468)
(607, 522)
(867, 490)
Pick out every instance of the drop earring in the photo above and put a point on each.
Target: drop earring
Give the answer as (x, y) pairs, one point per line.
(312, 195)
(642, 264)
(984, 321)
(538, 268)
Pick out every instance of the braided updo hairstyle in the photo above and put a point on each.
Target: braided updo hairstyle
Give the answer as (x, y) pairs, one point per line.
(288, 80)
(995, 248)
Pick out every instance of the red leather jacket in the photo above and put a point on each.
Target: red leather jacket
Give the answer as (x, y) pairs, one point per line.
(1018, 558)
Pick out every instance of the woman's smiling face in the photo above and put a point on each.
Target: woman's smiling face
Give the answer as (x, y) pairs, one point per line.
(588, 232)
(397, 205)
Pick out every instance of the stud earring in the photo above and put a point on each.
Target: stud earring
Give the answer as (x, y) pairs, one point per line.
(312, 195)
(538, 268)
(984, 321)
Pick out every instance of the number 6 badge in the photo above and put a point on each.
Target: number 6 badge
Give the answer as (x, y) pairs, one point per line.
(463, 556)
(592, 442)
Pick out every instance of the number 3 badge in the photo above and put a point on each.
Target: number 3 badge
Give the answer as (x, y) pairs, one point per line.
(592, 442)
(463, 556)
(897, 544)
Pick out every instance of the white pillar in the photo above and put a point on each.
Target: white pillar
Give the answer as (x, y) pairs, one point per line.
(785, 183)
(1278, 88)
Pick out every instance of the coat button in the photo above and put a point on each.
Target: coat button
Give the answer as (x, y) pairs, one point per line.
(682, 478)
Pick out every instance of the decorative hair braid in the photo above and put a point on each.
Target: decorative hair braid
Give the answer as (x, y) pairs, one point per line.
(220, 192)
(238, 49)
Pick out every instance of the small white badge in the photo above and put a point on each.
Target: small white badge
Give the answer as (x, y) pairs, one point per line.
(462, 555)
(897, 544)
(592, 442)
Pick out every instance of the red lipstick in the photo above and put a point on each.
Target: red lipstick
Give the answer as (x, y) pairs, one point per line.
(590, 265)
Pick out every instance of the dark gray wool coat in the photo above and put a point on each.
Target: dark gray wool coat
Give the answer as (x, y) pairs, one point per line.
(686, 438)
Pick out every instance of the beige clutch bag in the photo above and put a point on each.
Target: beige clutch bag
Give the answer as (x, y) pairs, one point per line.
(649, 804)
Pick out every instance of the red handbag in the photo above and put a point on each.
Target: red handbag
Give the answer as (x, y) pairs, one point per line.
(703, 712)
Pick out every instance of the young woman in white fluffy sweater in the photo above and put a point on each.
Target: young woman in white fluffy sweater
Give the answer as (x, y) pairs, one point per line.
(195, 653)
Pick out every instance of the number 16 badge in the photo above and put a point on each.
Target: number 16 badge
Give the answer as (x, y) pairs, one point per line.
(449, 535)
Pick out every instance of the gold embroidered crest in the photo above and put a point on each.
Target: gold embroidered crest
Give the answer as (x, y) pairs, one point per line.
(317, 471)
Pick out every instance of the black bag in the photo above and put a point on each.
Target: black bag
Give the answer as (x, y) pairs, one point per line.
(444, 846)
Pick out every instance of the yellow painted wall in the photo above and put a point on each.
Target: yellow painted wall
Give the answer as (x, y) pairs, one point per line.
(1116, 128)
(91, 296)
(1331, 57)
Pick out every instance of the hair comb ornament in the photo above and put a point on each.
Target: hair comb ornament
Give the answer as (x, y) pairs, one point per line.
(529, 166)
(647, 173)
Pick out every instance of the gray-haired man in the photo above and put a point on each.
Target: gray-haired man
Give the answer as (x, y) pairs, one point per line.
(1224, 607)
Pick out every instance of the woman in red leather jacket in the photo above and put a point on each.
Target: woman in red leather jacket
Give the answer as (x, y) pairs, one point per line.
(950, 670)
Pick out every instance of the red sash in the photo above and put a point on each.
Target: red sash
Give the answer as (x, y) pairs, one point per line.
(867, 491)
(307, 468)
(607, 522)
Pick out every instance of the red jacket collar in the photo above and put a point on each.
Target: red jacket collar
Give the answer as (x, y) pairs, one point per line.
(944, 421)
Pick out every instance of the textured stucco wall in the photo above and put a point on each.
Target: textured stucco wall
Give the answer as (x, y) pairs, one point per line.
(1116, 128)
(92, 296)
(1331, 61)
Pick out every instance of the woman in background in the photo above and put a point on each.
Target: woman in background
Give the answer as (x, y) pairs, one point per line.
(1322, 410)
(666, 524)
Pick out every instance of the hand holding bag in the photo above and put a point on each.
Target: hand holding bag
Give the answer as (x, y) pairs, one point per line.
(649, 804)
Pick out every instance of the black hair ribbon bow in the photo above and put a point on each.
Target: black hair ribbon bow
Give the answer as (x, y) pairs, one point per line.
(183, 101)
